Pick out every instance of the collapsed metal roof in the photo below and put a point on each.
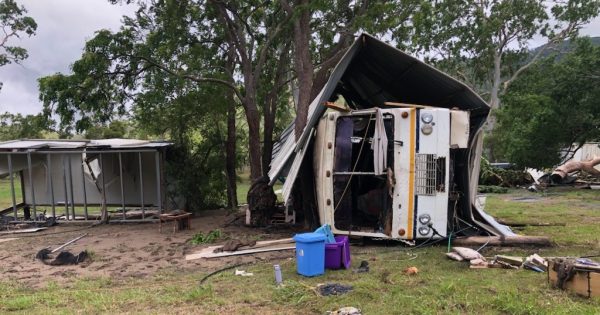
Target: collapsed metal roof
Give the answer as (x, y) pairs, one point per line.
(372, 73)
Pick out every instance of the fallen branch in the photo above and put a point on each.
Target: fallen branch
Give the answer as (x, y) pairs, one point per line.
(561, 172)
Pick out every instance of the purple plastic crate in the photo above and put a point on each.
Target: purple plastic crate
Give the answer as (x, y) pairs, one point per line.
(337, 255)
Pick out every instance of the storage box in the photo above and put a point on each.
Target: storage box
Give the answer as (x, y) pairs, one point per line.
(337, 255)
(585, 280)
(310, 254)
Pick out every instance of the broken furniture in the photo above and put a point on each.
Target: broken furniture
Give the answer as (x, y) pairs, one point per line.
(575, 276)
(181, 221)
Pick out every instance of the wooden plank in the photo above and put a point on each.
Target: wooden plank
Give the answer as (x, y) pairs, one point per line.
(210, 250)
(396, 104)
(239, 252)
(24, 231)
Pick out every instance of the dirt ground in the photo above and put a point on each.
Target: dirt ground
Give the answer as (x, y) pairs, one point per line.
(127, 250)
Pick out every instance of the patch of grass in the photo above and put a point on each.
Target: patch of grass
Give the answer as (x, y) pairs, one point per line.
(6, 193)
(210, 237)
(243, 185)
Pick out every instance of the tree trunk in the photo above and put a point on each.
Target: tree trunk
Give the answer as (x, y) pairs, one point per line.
(572, 166)
(495, 91)
(230, 156)
(539, 241)
(269, 125)
(254, 149)
(303, 64)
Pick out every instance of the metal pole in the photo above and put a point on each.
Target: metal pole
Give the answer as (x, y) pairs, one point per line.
(85, 209)
(49, 161)
(31, 184)
(141, 184)
(103, 184)
(121, 180)
(158, 190)
(71, 186)
(12, 185)
(65, 186)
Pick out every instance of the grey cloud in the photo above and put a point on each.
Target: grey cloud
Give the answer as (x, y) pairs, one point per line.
(63, 28)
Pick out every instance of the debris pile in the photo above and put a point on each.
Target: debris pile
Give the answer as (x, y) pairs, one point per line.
(333, 289)
(477, 261)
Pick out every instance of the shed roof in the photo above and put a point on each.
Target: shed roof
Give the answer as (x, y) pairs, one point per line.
(35, 144)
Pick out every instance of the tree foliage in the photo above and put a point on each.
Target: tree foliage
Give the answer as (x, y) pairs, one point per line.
(17, 126)
(485, 43)
(553, 105)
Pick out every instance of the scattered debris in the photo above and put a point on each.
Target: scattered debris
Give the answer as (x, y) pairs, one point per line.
(467, 253)
(535, 263)
(561, 172)
(364, 267)
(259, 247)
(68, 243)
(221, 270)
(243, 273)
(31, 230)
(333, 289)
(63, 258)
(454, 256)
(411, 271)
(233, 245)
(348, 310)
(182, 220)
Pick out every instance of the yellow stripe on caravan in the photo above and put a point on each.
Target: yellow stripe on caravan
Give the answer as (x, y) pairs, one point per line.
(411, 172)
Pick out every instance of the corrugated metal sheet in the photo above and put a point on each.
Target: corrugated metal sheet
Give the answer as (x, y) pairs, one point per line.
(382, 73)
(71, 144)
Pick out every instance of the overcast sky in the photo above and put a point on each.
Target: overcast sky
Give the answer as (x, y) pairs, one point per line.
(63, 28)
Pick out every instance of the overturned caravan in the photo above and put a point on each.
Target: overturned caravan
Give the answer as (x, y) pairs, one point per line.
(391, 150)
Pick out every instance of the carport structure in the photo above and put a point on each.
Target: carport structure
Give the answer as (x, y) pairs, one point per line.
(71, 179)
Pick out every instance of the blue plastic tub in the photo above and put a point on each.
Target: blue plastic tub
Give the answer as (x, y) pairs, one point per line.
(310, 254)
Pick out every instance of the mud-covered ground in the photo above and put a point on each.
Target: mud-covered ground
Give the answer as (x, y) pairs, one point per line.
(126, 250)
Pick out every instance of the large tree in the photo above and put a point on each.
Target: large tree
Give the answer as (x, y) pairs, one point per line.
(189, 40)
(552, 105)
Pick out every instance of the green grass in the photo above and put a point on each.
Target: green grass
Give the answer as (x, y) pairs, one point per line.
(243, 185)
(6, 194)
(441, 286)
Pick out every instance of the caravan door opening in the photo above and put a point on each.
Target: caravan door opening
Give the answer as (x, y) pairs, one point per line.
(384, 172)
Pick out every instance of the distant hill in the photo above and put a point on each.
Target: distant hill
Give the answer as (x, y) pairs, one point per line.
(562, 49)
